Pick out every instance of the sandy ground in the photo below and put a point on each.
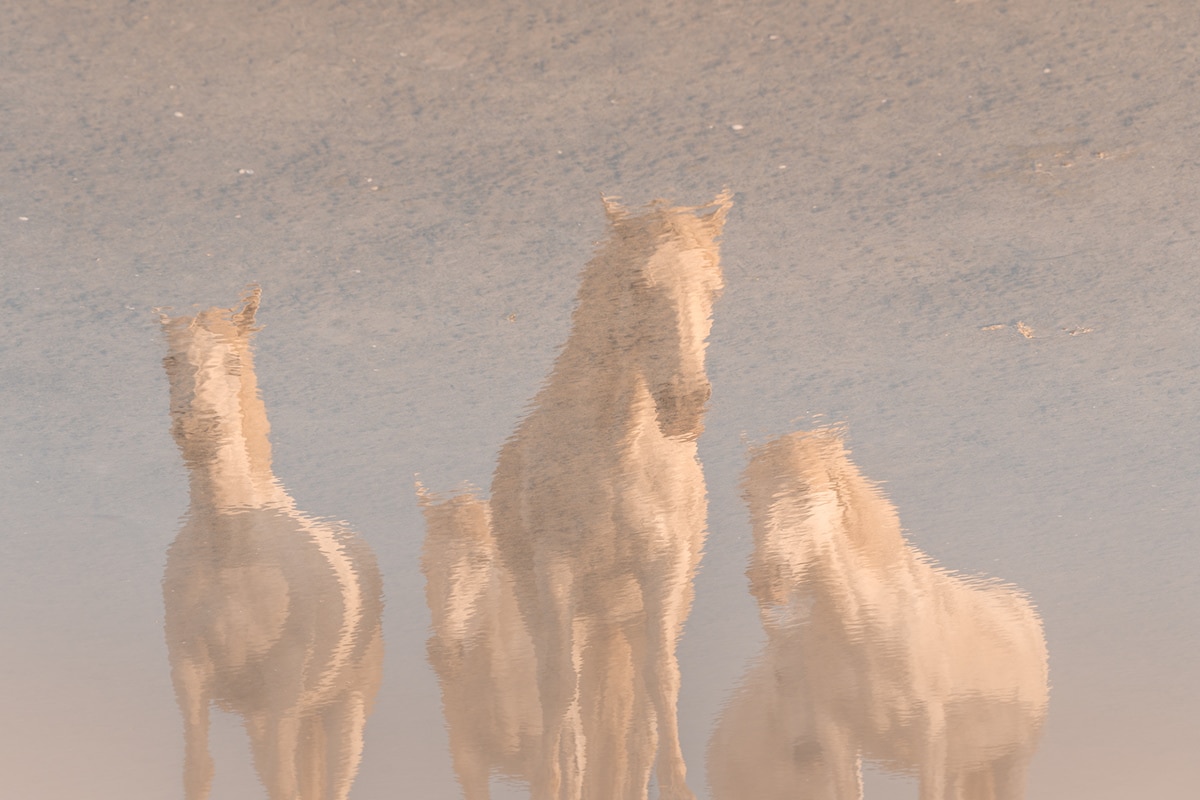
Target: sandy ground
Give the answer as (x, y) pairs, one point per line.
(965, 229)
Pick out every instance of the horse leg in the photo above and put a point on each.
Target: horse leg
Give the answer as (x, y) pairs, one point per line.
(470, 758)
(838, 775)
(965, 784)
(664, 601)
(191, 691)
(312, 763)
(558, 685)
(1009, 776)
(933, 770)
(573, 740)
(642, 741)
(472, 769)
(604, 702)
(343, 723)
(274, 740)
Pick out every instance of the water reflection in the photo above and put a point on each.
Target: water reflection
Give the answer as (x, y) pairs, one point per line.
(480, 648)
(597, 519)
(271, 614)
(872, 651)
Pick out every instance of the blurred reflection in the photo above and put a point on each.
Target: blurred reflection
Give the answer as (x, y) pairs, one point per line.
(480, 648)
(271, 614)
(598, 516)
(872, 651)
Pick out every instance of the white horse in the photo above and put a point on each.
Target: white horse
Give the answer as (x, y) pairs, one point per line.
(599, 506)
(480, 649)
(872, 651)
(271, 614)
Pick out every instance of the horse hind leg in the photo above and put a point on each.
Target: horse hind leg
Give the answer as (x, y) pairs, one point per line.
(342, 726)
(933, 771)
(312, 759)
(273, 741)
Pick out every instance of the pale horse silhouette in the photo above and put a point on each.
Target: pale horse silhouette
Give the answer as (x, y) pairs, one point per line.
(872, 651)
(270, 613)
(480, 648)
(598, 517)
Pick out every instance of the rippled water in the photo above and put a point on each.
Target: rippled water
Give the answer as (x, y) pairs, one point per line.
(951, 289)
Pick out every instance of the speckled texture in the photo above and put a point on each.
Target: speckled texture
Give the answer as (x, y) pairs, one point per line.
(416, 187)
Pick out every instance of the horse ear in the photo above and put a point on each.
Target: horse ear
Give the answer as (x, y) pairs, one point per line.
(425, 498)
(715, 220)
(252, 296)
(613, 209)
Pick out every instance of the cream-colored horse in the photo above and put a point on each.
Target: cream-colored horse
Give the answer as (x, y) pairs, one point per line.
(270, 613)
(872, 651)
(480, 648)
(599, 506)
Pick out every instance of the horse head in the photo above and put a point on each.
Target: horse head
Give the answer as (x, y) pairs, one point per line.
(217, 416)
(670, 279)
(458, 561)
(796, 511)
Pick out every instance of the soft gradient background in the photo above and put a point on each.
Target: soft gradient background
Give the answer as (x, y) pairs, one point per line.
(416, 187)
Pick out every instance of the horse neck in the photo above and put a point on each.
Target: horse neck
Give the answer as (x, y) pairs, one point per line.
(222, 433)
(867, 560)
(459, 563)
(599, 370)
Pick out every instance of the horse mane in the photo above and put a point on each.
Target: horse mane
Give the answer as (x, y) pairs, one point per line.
(804, 464)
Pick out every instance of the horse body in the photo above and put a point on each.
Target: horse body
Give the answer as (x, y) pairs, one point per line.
(270, 614)
(480, 649)
(598, 508)
(605, 560)
(874, 651)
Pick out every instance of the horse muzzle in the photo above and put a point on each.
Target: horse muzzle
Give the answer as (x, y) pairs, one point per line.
(681, 413)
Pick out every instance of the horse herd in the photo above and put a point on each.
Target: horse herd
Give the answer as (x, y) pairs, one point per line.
(557, 603)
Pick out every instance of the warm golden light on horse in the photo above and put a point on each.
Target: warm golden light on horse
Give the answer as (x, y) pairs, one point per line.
(873, 652)
(271, 614)
(598, 515)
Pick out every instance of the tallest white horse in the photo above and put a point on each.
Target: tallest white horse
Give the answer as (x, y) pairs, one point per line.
(599, 506)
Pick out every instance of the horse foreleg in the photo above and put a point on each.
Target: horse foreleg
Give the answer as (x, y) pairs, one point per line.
(643, 741)
(933, 771)
(345, 721)
(558, 684)
(573, 751)
(971, 783)
(665, 609)
(472, 767)
(465, 725)
(191, 691)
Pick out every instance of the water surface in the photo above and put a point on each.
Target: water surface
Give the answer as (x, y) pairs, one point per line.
(962, 229)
